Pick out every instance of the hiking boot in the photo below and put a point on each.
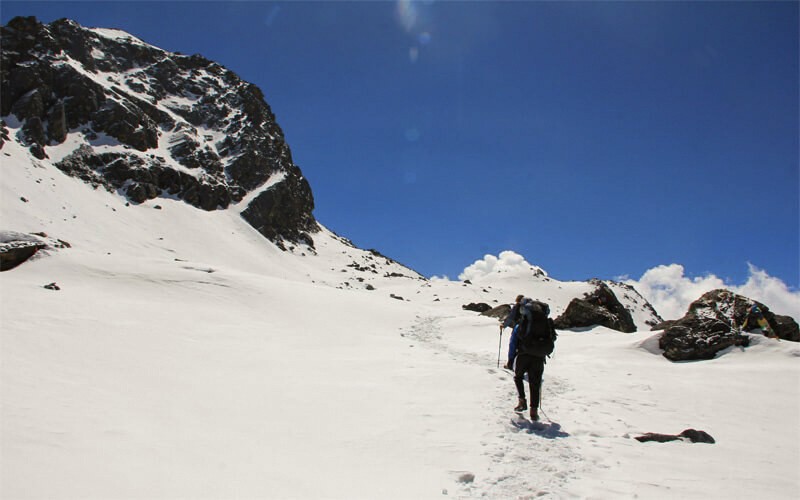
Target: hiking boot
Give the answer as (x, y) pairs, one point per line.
(522, 405)
(534, 415)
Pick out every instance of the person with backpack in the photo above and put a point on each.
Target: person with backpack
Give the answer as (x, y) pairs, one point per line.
(761, 321)
(535, 342)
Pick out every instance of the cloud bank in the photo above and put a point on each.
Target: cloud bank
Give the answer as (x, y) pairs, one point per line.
(666, 287)
(507, 262)
(671, 291)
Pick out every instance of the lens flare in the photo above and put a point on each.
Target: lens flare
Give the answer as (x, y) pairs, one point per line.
(415, 18)
(407, 14)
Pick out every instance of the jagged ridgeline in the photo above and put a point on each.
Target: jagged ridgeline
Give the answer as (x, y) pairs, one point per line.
(150, 123)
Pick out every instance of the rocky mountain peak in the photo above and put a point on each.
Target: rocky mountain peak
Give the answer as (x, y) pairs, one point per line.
(106, 107)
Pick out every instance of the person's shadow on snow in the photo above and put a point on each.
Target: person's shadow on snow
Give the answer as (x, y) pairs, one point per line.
(548, 430)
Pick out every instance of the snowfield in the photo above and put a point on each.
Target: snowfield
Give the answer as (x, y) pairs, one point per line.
(185, 356)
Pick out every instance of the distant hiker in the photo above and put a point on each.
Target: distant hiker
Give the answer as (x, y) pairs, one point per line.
(510, 322)
(758, 316)
(535, 340)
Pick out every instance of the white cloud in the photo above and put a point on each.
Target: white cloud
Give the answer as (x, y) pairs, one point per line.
(771, 291)
(670, 291)
(507, 262)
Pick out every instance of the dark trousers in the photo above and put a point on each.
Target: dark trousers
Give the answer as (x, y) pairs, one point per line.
(535, 368)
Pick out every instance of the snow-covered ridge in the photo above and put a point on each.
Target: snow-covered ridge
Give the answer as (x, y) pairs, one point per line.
(117, 35)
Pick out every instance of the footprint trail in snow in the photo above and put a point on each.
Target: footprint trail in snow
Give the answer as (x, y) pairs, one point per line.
(537, 457)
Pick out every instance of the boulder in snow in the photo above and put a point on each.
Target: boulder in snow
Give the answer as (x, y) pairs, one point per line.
(691, 435)
(499, 312)
(598, 308)
(714, 322)
(479, 307)
(16, 248)
(15, 253)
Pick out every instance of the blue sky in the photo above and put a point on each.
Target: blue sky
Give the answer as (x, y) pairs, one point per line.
(595, 139)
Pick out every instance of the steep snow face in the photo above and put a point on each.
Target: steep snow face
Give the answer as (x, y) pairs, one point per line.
(38, 197)
(186, 356)
(108, 108)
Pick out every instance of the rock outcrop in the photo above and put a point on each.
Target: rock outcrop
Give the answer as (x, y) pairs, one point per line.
(17, 248)
(479, 307)
(499, 312)
(690, 435)
(600, 307)
(716, 321)
(15, 253)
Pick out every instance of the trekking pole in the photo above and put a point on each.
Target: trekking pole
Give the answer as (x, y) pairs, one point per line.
(499, 346)
(541, 394)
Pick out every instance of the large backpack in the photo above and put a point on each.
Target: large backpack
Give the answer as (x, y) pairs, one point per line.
(536, 333)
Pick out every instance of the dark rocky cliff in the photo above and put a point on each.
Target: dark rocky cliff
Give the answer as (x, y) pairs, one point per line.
(150, 123)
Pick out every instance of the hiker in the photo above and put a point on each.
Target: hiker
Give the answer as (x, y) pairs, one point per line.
(761, 321)
(510, 321)
(535, 341)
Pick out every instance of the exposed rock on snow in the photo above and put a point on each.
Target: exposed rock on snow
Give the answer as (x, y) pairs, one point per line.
(600, 307)
(480, 307)
(499, 312)
(694, 338)
(784, 326)
(14, 253)
(119, 113)
(714, 323)
(466, 478)
(691, 435)
(16, 248)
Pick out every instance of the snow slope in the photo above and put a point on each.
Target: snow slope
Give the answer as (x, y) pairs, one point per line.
(186, 356)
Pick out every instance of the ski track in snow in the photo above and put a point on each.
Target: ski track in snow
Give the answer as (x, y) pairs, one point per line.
(524, 456)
